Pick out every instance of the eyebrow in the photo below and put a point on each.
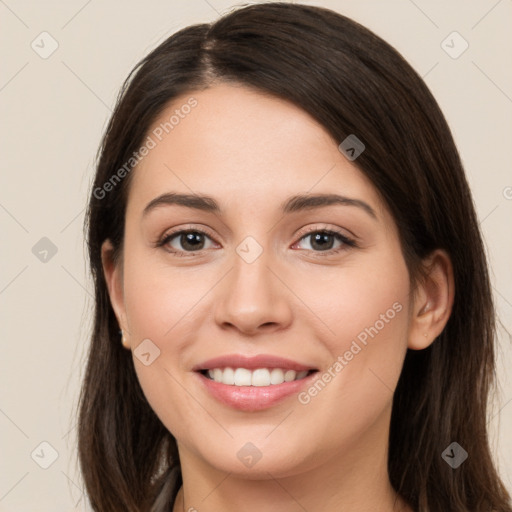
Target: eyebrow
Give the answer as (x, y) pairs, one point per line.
(291, 205)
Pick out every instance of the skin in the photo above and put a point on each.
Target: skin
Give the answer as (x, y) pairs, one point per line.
(251, 152)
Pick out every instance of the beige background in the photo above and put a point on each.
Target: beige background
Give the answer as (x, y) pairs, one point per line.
(53, 113)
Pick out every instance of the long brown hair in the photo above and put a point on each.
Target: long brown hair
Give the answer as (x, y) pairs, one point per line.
(351, 82)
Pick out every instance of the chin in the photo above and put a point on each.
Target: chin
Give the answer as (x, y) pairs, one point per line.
(252, 461)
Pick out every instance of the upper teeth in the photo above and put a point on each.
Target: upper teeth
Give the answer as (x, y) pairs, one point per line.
(259, 377)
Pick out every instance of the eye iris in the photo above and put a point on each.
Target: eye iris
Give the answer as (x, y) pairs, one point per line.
(322, 239)
(192, 241)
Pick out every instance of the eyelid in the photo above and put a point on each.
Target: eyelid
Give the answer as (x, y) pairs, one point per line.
(190, 227)
(327, 227)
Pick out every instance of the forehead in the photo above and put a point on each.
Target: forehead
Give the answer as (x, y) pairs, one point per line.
(244, 147)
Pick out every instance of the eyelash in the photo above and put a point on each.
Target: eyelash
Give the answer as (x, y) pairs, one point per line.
(346, 242)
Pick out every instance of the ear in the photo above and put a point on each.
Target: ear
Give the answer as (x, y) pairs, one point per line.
(113, 273)
(432, 301)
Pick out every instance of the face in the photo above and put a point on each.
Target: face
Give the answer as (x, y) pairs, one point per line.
(252, 278)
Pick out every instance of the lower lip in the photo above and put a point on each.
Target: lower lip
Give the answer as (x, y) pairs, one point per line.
(253, 398)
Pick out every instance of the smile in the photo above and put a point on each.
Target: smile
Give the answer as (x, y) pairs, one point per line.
(253, 383)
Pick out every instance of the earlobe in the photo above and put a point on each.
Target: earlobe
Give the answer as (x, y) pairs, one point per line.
(433, 301)
(112, 271)
(124, 340)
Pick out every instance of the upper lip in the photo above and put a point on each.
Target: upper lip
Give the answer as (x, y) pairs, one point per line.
(251, 363)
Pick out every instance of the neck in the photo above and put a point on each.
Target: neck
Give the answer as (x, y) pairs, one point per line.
(231, 494)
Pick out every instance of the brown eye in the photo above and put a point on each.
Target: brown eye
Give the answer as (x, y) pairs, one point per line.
(324, 240)
(186, 241)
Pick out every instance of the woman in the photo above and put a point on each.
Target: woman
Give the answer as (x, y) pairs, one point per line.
(293, 310)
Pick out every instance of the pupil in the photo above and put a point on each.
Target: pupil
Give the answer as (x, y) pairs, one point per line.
(192, 240)
(321, 239)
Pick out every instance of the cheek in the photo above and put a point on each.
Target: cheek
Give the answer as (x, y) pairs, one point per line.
(161, 306)
(158, 297)
(371, 308)
(368, 315)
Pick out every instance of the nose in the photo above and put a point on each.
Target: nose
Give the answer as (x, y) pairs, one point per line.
(252, 298)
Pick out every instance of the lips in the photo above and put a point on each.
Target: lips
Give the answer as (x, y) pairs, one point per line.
(253, 383)
(252, 363)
